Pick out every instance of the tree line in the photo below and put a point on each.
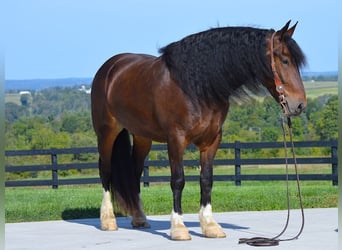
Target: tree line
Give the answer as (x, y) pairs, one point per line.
(54, 117)
(60, 118)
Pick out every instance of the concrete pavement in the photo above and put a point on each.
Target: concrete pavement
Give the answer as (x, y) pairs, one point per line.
(320, 232)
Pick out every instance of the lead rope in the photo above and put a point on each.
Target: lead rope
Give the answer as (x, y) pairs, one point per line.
(262, 241)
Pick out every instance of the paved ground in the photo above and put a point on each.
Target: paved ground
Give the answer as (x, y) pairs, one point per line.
(320, 232)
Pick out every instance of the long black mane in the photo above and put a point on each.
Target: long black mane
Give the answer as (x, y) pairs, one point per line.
(214, 64)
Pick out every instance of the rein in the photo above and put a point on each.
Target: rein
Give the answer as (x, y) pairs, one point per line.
(262, 241)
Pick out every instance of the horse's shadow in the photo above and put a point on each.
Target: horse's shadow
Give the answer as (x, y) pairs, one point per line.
(158, 227)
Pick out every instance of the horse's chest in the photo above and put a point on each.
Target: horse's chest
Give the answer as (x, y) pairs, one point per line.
(206, 130)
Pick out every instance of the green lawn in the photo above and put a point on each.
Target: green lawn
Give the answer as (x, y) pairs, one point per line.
(74, 202)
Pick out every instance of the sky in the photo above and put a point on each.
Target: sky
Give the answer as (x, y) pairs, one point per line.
(73, 38)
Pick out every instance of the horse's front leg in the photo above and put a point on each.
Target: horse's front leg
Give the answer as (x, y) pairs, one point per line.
(210, 228)
(178, 229)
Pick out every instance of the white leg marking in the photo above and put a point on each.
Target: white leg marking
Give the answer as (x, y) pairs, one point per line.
(176, 219)
(209, 226)
(106, 206)
(178, 229)
(108, 221)
(206, 214)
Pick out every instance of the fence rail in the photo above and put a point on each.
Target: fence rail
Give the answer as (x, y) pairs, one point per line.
(238, 162)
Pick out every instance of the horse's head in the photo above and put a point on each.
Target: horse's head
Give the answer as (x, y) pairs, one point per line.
(286, 58)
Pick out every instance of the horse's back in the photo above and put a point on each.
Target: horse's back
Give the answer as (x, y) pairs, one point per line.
(116, 64)
(112, 72)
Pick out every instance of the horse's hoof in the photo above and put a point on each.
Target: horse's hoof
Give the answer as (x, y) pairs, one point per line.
(109, 225)
(213, 230)
(180, 232)
(142, 224)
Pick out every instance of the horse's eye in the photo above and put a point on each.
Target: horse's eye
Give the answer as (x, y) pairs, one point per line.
(285, 62)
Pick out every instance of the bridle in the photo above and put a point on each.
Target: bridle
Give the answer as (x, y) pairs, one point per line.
(277, 81)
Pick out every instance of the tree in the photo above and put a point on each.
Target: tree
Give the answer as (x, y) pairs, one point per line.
(46, 138)
(325, 121)
(76, 122)
(270, 134)
(13, 112)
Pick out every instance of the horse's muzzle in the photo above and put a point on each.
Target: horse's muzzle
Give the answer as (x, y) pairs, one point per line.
(293, 111)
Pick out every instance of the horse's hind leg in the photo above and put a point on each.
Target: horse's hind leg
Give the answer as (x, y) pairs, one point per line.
(105, 144)
(141, 147)
(107, 217)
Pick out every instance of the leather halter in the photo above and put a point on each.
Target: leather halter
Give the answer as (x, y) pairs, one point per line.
(277, 80)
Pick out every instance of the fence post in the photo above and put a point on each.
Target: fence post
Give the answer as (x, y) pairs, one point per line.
(146, 176)
(54, 170)
(237, 164)
(334, 165)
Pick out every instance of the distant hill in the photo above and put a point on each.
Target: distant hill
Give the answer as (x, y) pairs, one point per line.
(39, 84)
(315, 74)
(320, 76)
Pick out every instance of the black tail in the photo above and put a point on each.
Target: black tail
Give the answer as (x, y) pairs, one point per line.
(125, 183)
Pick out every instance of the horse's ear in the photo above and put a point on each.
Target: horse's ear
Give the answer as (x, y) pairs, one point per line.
(283, 30)
(291, 30)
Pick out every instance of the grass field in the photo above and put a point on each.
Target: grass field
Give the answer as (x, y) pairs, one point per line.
(75, 202)
(315, 89)
(13, 98)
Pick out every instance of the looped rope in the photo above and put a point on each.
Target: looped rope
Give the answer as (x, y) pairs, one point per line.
(259, 242)
(263, 241)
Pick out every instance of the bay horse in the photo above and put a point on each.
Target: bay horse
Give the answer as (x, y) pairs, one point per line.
(182, 97)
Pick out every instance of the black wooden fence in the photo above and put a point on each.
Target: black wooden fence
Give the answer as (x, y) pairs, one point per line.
(238, 162)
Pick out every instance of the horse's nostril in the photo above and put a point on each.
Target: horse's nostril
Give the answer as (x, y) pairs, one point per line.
(300, 107)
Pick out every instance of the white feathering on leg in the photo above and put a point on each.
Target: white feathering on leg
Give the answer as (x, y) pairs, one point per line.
(209, 226)
(106, 206)
(178, 229)
(108, 221)
(206, 213)
(176, 219)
